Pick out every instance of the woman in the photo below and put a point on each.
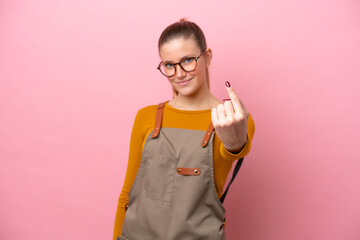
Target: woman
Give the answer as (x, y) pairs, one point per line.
(178, 164)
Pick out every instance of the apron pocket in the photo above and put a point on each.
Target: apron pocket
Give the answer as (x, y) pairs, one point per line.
(159, 177)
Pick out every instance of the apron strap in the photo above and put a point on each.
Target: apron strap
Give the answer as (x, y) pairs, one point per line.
(207, 135)
(236, 170)
(158, 118)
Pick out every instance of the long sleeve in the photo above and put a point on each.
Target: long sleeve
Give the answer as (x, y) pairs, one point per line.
(135, 151)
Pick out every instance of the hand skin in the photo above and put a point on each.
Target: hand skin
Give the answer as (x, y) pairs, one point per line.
(230, 121)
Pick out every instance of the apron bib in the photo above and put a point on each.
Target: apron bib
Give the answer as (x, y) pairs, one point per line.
(173, 196)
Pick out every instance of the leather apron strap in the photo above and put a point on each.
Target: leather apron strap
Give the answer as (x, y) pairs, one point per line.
(158, 119)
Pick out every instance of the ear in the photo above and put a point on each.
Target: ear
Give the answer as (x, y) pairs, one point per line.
(208, 55)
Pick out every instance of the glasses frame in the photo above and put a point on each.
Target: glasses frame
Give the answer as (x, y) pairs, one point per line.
(195, 58)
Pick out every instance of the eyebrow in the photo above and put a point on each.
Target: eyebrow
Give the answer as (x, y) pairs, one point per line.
(186, 56)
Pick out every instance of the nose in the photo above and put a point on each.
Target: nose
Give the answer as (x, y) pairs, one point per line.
(180, 73)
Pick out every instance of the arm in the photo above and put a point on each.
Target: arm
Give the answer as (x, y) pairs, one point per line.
(135, 151)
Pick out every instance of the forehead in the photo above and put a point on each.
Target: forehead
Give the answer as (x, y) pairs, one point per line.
(174, 50)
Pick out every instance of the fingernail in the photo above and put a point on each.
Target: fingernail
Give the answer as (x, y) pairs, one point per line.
(227, 84)
(227, 99)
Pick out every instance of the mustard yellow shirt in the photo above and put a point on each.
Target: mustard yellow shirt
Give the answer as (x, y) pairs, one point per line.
(175, 118)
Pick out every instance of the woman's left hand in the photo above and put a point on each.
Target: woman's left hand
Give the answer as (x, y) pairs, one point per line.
(230, 120)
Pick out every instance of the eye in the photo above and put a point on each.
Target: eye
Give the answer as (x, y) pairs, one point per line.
(188, 60)
(168, 65)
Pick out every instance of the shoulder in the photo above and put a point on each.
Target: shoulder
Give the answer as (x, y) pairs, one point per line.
(147, 109)
(145, 117)
(147, 112)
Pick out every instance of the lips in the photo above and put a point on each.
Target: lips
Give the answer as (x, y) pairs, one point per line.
(184, 82)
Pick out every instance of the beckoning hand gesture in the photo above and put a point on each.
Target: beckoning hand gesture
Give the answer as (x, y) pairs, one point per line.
(230, 121)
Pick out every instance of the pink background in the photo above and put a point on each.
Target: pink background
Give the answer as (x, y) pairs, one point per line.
(74, 73)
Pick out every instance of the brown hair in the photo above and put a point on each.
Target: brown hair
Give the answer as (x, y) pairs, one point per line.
(186, 29)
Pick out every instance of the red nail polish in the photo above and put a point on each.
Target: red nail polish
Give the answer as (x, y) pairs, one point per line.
(227, 99)
(227, 84)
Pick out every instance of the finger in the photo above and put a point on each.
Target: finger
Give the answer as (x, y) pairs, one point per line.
(227, 99)
(214, 117)
(239, 107)
(221, 113)
(234, 99)
(229, 110)
(243, 106)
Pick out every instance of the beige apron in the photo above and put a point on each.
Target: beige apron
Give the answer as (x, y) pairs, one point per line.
(173, 196)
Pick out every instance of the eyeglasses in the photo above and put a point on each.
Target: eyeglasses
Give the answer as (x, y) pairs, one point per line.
(187, 64)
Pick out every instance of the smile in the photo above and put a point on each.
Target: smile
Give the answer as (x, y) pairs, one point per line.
(184, 82)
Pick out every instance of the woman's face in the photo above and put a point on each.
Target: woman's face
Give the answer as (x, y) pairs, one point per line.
(186, 83)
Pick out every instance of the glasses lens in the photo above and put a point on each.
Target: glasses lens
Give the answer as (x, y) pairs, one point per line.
(188, 64)
(167, 69)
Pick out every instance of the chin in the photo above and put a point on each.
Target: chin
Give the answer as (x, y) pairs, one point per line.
(186, 92)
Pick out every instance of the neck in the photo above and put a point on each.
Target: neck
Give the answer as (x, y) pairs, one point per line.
(202, 99)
